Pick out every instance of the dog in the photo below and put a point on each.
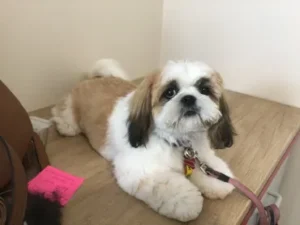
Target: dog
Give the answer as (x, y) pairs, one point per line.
(143, 131)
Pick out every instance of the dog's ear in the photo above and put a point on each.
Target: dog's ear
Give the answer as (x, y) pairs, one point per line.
(221, 133)
(140, 117)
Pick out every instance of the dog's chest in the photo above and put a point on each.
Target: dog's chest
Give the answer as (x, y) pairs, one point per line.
(171, 158)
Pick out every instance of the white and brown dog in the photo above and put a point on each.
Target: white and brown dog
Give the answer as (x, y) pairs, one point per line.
(143, 129)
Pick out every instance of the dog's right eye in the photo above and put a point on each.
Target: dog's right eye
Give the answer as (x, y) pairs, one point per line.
(170, 93)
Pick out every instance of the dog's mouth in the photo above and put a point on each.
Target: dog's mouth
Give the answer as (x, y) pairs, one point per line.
(194, 113)
(189, 118)
(190, 113)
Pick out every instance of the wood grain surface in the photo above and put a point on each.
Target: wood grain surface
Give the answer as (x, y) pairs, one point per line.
(264, 128)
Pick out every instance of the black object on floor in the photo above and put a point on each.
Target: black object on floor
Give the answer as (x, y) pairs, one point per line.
(42, 211)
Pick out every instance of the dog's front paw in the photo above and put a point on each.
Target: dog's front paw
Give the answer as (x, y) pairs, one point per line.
(217, 190)
(184, 206)
(212, 187)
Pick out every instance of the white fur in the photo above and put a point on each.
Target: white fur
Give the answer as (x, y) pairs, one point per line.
(64, 118)
(108, 67)
(170, 119)
(154, 173)
(186, 72)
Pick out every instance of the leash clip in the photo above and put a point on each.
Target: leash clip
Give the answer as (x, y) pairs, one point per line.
(189, 153)
(267, 215)
(203, 167)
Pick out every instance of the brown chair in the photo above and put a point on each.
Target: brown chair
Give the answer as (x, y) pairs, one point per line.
(17, 139)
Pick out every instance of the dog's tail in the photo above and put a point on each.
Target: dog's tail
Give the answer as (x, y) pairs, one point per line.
(106, 68)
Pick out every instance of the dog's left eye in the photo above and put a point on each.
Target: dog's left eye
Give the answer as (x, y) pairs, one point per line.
(204, 90)
(170, 93)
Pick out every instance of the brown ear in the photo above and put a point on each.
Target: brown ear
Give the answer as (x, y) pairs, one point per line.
(140, 117)
(221, 133)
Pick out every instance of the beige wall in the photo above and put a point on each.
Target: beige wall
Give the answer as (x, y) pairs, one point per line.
(45, 46)
(254, 44)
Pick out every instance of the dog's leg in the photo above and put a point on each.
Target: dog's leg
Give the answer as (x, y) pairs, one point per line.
(64, 118)
(168, 193)
(211, 187)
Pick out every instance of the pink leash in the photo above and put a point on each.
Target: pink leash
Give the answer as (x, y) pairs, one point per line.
(268, 215)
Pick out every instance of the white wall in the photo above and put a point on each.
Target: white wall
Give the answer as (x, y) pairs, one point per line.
(254, 44)
(45, 46)
(289, 189)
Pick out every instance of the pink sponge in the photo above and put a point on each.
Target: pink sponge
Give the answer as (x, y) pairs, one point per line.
(52, 180)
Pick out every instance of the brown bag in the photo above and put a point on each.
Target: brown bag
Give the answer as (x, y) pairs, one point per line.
(16, 141)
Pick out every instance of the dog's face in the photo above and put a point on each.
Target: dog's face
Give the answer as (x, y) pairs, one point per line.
(187, 99)
(184, 98)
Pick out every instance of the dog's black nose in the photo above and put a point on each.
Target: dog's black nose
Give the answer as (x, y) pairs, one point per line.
(188, 100)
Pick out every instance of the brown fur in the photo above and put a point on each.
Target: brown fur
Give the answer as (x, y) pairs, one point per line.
(158, 90)
(93, 102)
(157, 101)
(221, 133)
(140, 118)
(146, 103)
(217, 84)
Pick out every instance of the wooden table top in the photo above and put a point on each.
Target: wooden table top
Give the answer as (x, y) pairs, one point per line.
(265, 129)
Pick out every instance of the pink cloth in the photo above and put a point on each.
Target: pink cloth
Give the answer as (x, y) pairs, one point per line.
(52, 180)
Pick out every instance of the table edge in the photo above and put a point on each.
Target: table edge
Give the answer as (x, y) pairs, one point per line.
(271, 177)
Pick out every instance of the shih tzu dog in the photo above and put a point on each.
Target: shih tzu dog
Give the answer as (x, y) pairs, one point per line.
(143, 131)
